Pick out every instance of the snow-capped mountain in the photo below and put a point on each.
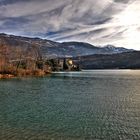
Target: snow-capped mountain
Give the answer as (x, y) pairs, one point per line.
(116, 49)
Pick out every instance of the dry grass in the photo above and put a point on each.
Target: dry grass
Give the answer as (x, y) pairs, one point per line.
(11, 72)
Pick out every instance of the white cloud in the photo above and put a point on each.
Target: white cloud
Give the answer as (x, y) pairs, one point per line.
(107, 22)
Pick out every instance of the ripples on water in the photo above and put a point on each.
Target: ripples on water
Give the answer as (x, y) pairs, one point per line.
(84, 105)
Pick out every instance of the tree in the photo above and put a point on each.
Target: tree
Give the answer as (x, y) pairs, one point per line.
(4, 58)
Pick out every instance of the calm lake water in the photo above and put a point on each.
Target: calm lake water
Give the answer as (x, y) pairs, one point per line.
(83, 105)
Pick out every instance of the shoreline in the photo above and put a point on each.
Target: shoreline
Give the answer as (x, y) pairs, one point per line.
(6, 76)
(11, 76)
(42, 73)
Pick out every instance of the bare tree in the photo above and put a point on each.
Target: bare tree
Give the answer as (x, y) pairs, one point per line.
(4, 58)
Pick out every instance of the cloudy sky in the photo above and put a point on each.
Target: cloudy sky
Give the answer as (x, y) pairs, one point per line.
(98, 22)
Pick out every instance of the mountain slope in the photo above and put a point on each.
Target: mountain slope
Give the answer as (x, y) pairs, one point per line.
(126, 60)
(50, 49)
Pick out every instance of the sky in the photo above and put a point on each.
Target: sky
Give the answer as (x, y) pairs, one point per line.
(99, 22)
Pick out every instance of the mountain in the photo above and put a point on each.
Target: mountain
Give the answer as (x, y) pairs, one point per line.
(115, 50)
(125, 60)
(84, 54)
(51, 49)
(73, 49)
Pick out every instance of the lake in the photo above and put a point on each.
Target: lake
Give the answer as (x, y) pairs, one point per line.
(86, 105)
